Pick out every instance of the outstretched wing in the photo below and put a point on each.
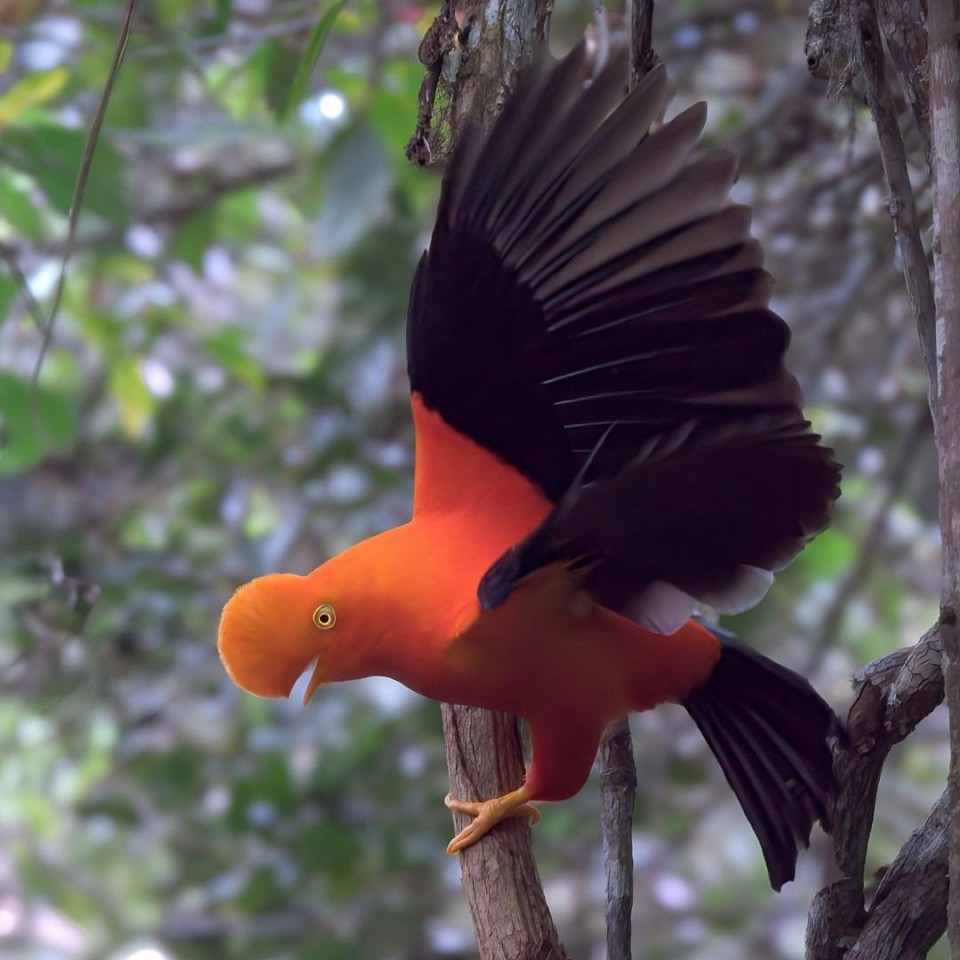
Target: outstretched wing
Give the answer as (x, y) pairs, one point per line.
(594, 310)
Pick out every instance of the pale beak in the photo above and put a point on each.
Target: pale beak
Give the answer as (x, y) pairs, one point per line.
(315, 681)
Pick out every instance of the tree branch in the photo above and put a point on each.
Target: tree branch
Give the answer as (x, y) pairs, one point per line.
(893, 695)
(944, 63)
(472, 52)
(618, 790)
(868, 54)
(908, 914)
(902, 23)
(618, 769)
(499, 875)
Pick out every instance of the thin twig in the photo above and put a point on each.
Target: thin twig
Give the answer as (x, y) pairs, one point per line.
(618, 790)
(79, 190)
(618, 771)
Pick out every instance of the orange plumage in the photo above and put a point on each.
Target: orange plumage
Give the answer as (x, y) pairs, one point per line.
(605, 436)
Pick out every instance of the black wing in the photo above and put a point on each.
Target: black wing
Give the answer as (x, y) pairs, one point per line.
(594, 310)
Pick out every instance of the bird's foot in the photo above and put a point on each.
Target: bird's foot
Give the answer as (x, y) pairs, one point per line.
(487, 814)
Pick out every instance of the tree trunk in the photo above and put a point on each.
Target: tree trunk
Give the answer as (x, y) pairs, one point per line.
(944, 70)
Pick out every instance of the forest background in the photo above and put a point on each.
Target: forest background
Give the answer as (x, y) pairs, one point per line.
(224, 395)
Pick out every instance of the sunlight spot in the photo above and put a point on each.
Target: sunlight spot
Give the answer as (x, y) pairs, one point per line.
(323, 108)
(331, 105)
(157, 377)
(10, 916)
(146, 953)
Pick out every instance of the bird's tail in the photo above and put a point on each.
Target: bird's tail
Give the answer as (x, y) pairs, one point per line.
(770, 731)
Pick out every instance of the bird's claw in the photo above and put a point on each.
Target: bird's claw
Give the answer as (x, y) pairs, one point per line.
(487, 814)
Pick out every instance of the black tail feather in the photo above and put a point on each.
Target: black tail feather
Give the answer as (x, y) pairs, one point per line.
(770, 731)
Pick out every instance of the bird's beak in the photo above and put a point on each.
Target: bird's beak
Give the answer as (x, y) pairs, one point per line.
(316, 680)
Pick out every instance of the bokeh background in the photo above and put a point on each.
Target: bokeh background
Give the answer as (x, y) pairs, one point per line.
(224, 395)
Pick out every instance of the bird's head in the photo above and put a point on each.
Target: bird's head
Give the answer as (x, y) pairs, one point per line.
(273, 628)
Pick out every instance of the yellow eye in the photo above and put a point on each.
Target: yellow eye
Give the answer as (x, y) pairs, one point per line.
(325, 616)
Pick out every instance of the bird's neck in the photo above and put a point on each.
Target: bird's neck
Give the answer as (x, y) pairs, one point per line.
(455, 473)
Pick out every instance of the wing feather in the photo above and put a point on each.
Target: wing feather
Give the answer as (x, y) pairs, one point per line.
(594, 310)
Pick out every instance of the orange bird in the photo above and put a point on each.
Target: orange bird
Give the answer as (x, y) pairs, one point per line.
(606, 437)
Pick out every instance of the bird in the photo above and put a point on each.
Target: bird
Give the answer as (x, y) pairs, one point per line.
(607, 442)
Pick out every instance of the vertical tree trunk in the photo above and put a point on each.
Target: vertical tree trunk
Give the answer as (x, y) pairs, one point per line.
(944, 70)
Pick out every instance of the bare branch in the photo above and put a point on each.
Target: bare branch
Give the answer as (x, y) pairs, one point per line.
(618, 770)
(500, 879)
(618, 790)
(900, 201)
(908, 914)
(902, 23)
(893, 695)
(472, 51)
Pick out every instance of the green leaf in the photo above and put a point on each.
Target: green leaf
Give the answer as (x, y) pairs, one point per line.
(31, 91)
(262, 893)
(134, 401)
(9, 288)
(271, 784)
(52, 155)
(229, 348)
(276, 67)
(195, 236)
(262, 514)
(827, 556)
(32, 424)
(19, 211)
(218, 23)
(301, 79)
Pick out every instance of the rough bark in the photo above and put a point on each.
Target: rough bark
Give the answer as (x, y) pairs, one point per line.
(499, 875)
(909, 911)
(903, 24)
(618, 790)
(892, 696)
(869, 54)
(944, 67)
(472, 52)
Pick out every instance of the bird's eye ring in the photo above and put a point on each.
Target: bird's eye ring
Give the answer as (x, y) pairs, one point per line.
(325, 616)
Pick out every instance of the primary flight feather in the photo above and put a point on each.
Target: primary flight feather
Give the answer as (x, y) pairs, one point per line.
(606, 437)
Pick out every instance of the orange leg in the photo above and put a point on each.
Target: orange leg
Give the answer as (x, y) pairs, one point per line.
(487, 814)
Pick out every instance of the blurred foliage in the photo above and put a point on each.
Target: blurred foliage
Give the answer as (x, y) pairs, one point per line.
(224, 395)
